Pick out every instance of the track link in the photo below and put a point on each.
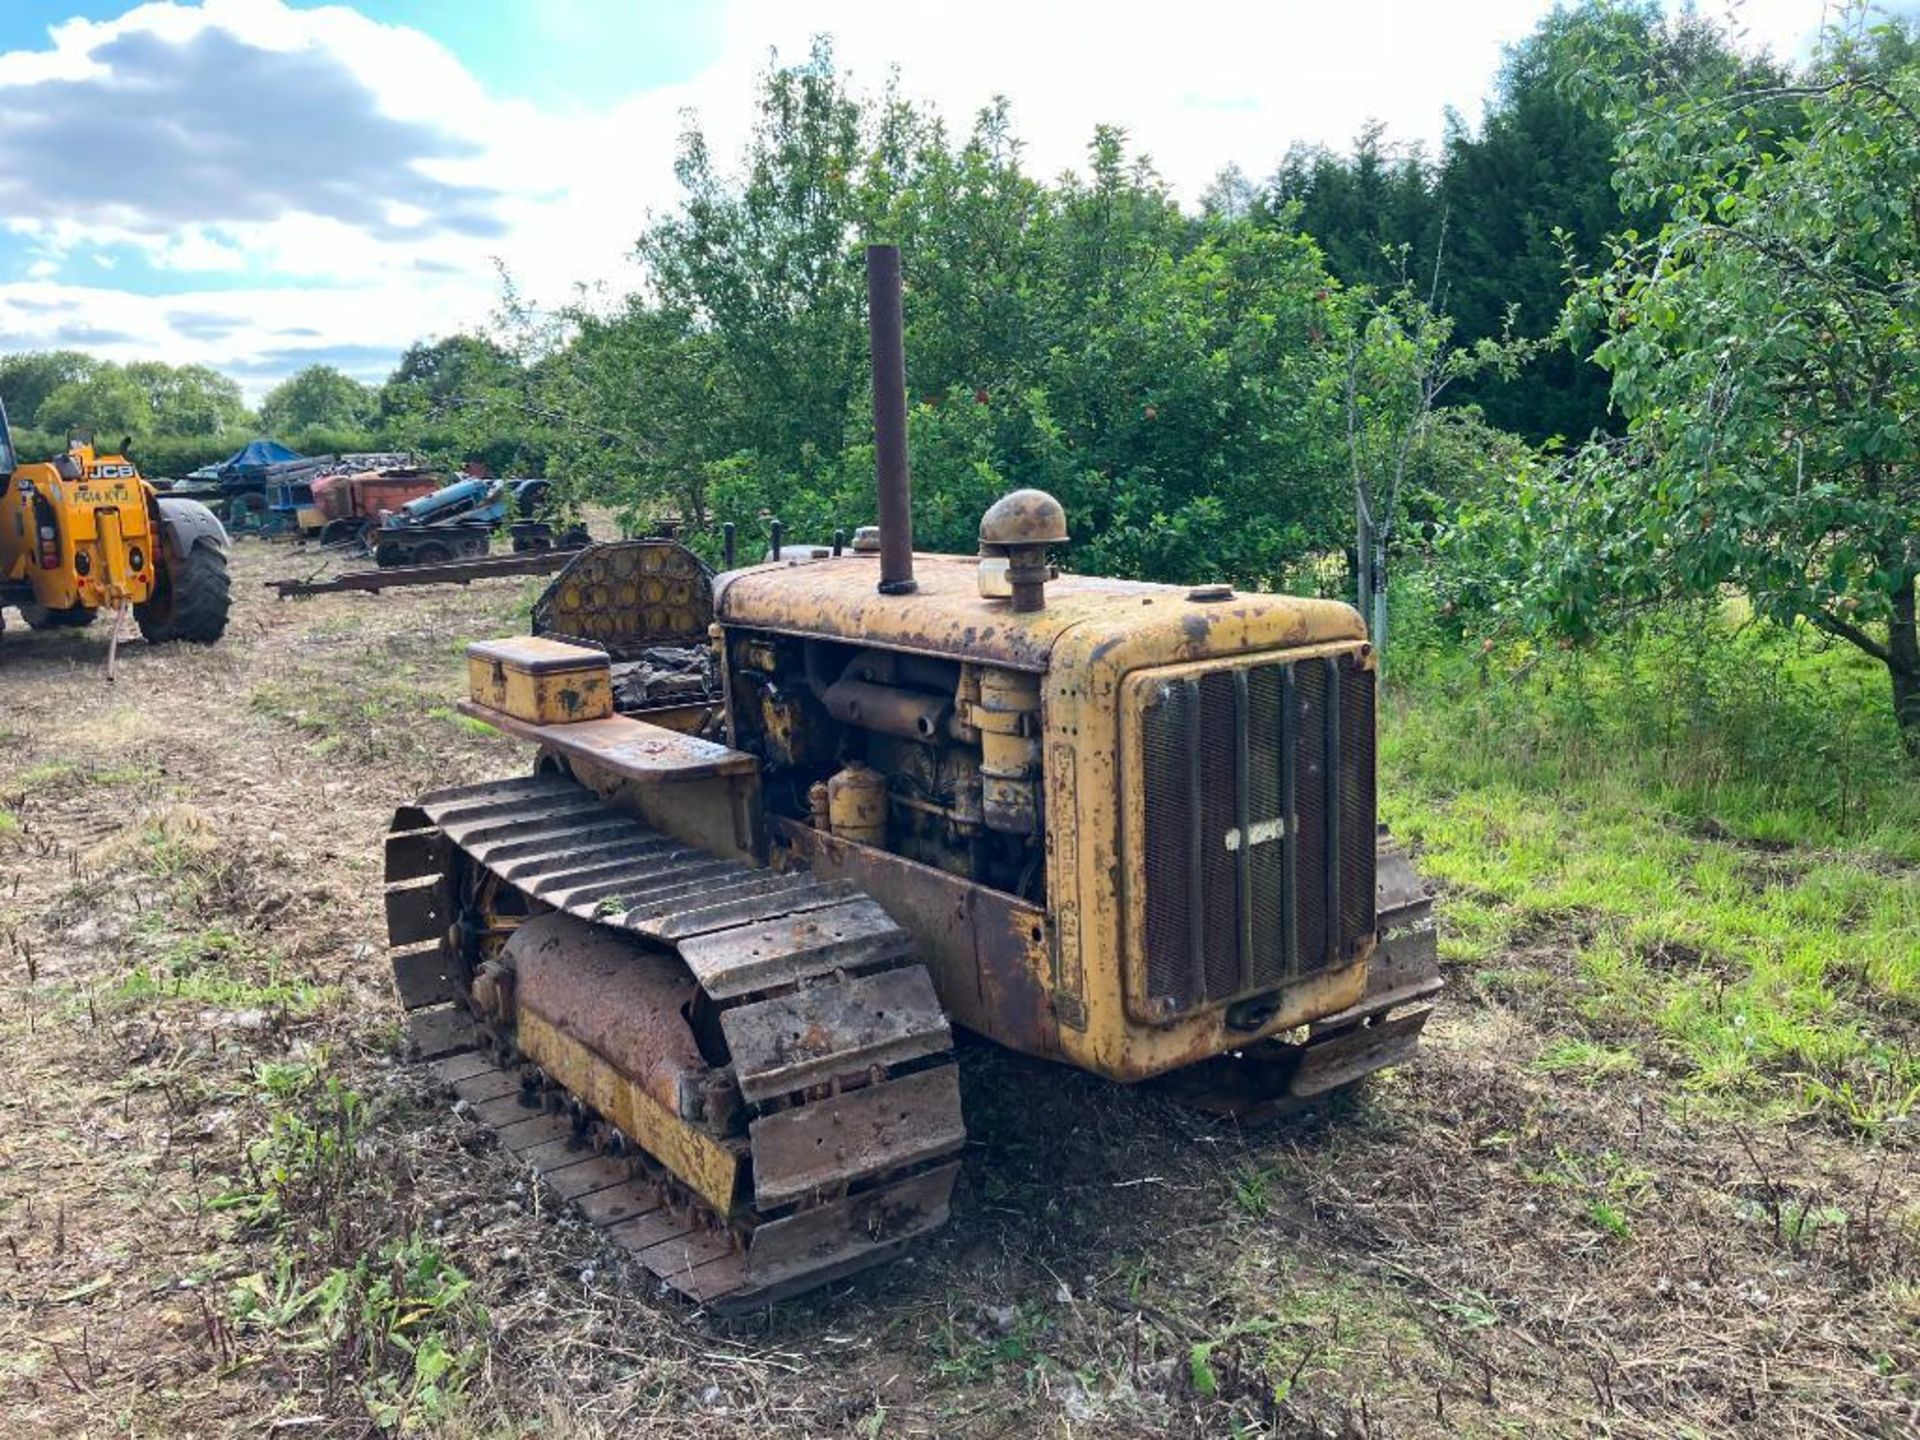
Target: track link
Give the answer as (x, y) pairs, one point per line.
(834, 1098)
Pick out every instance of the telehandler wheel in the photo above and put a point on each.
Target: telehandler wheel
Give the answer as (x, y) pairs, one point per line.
(39, 617)
(190, 599)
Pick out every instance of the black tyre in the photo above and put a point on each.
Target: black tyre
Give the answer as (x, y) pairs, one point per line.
(190, 601)
(432, 553)
(388, 555)
(39, 617)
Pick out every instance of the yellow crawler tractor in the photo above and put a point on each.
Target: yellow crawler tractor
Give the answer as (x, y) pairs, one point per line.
(700, 968)
(84, 533)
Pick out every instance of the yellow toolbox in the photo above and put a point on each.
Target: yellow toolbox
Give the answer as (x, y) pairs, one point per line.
(543, 682)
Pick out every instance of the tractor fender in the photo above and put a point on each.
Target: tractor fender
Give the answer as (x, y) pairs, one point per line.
(187, 523)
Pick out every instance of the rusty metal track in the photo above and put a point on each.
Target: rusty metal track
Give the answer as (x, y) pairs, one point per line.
(839, 1054)
(452, 572)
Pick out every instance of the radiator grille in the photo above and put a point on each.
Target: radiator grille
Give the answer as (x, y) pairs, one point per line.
(1259, 827)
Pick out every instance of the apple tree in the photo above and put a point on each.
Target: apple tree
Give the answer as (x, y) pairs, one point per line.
(1764, 348)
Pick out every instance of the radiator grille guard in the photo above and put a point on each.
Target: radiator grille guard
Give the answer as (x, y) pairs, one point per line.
(1254, 829)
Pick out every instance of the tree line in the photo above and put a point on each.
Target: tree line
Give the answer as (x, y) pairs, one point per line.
(176, 418)
(1643, 332)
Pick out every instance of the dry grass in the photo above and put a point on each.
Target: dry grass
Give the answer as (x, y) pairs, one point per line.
(1514, 1236)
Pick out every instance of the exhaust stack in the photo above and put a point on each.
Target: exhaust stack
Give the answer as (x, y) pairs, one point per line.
(888, 343)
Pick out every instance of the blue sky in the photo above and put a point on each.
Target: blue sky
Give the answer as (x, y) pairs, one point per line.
(568, 41)
(262, 184)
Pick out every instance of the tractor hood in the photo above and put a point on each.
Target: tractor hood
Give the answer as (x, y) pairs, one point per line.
(836, 599)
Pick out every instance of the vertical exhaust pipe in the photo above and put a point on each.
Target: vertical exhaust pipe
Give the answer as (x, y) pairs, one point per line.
(888, 343)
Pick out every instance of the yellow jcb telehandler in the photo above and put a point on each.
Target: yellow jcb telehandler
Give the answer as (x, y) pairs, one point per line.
(85, 532)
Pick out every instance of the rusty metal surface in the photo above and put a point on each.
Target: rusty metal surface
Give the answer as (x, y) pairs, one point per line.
(757, 1297)
(625, 1200)
(720, 815)
(910, 714)
(619, 999)
(420, 912)
(730, 1268)
(557, 841)
(676, 1258)
(1248, 826)
(1019, 527)
(854, 933)
(507, 1108)
(415, 855)
(433, 1033)
(488, 831)
(629, 596)
(439, 805)
(586, 1176)
(452, 572)
(463, 815)
(987, 951)
(1024, 517)
(425, 976)
(947, 615)
(1403, 969)
(455, 1068)
(553, 861)
(640, 885)
(1401, 898)
(729, 901)
(893, 483)
(539, 681)
(603, 1018)
(715, 1284)
(538, 655)
(488, 1085)
(711, 1166)
(805, 1243)
(717, 911)
(533, 1132)
(625, 744)
(1343, 1057)
(832, 1029)
(902, 1121)
(1274, 1077)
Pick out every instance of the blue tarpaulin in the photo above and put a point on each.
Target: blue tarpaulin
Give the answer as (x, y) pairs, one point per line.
(257, 456)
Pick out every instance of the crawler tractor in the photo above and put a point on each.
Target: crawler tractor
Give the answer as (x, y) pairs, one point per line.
(84, 533)
(700, 969)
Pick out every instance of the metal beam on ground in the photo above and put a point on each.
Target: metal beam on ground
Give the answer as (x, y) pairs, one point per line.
(452, 572)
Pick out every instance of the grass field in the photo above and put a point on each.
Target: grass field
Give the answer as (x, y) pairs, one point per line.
(1653, 1174)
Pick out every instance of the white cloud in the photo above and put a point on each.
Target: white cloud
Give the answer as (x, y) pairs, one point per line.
(375, 221)
(260, 334)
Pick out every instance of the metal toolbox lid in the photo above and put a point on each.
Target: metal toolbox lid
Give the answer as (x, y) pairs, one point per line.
(533, 655)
